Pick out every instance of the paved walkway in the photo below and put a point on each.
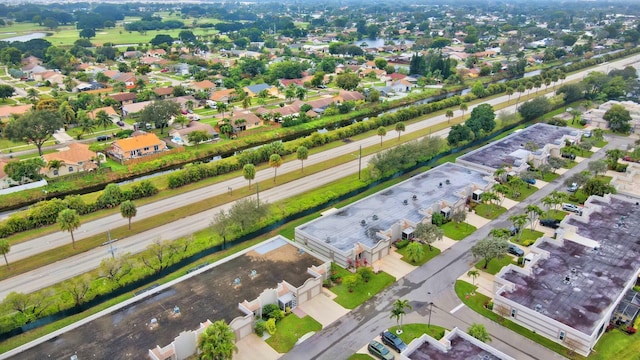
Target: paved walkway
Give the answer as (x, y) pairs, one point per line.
(393, 265)
(253, 347)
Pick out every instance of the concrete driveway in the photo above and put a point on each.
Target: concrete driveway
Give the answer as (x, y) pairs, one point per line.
(252, 347)
(322, 308)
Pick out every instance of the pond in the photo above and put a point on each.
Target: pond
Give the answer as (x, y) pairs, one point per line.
(27, 37)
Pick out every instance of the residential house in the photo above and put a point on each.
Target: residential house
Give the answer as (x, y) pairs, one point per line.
(245, 120)
(31, 60)
(132, 54)
(7, 111)
(113, 115)
(255, 90)
(581, 281)
(124, 98)
(363, 231)
(180, 136)
(133, 108)
(163, 92)
(30, 69)
(76, 157)
(224, 95)
(54, 77)
(402, 86)
(5, 180)
(455, 344)
(181, 69)
(156, 52)
(344, 95)
(595, 117)
(149, 60)
(204, 85)
(137, 146)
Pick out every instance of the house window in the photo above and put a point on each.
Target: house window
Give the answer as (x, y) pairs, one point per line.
(70, 169)
(513, 312)
(55, 172)
(146, 149)
(156, 148)
(256, 124)
(562, 334)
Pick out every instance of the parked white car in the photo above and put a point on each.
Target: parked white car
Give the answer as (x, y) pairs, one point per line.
(571, 208)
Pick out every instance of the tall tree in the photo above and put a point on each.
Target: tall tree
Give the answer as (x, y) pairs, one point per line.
(128, 210)
(69, 220)
(35, 126)
(473, 274)
(5, 247)
(103, 119)
(429, 233)
(618, 118)
(159, 112)
(533, 213)
(400, 127)
(463, 107)
(55, 164)
(67, 114)
(489, 248)
(398, 311)
(217, 342)
(275, 161)
(449, 115)
(6, 91)
(198, 136)
(382, 132)
(482, 119)
(302, 154)
(519, 222)
(249, 172)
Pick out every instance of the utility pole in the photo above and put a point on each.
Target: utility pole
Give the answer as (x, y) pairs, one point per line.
(360, 163)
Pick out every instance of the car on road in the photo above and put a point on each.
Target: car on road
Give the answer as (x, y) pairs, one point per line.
(120, 123)
(515, 250)
(569, 155)
(572, 208)
(104, 138)
(380, 351)
(551, 223)
(391, 340)
(531, 181)
(572, 188)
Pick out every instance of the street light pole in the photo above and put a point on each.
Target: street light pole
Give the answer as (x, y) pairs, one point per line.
(430, 310)
(360, 163)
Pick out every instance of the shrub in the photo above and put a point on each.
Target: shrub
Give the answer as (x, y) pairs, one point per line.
(557, 122)
(268, 309)
(260, 327)
(630, 330)
(437, 219)
(401, 244)
(365, 273)
(271, 326)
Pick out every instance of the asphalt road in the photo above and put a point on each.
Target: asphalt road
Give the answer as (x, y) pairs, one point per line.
(64, 269)
(433, 282)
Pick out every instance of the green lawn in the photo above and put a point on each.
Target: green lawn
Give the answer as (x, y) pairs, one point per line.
(601, 143)
(477, 303)
(489, 211)
(428, 254)
(456, 231)
(360, 357)
(289, 330)
(521, 192)
(414, 331)
(495, 265)
(617, 344)
(363, 291)
(528, 237)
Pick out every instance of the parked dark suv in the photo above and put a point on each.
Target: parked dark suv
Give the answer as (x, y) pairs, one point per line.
(514, 250)
(552, 223)
(392, 341)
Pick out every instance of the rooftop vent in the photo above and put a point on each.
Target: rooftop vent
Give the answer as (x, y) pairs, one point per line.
(406, 202)
(538, 307)
(415, 197)
(375, 217)
(447, 182)
(574, 270)
(236, 281)
(363, 222)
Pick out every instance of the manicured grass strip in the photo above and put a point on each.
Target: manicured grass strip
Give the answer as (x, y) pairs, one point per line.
(489, 211)
(527, 237)
(428, 255)
(477, 303)
(363, 291)
(617, 344)
(496, 264)
(414, 331)
(360, 357)
(455, 231)
(289, 330)
(522, 192)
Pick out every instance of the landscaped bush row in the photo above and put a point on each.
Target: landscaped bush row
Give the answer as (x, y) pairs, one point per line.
(578, 65)
(46, 212)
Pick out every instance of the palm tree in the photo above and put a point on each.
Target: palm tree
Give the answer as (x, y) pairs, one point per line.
(217, 342)
(69, 220)
(55, 164)
(103, 119)
(415, 251)
(275, 161)
(519, 221)
(249, 172)
(87, 126)
(382, 132)
(398, 312)
(509, 93)
(473, 274)
(182, 120)
(302, 153)
(449, 115)
(520, 90)
(533, 213)
(463, 107)
(221, 107)
(400, 127)
(32, 95)
(246, 102)
(128, 210)
(67, 113)
(301, 92)
(5, 247)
